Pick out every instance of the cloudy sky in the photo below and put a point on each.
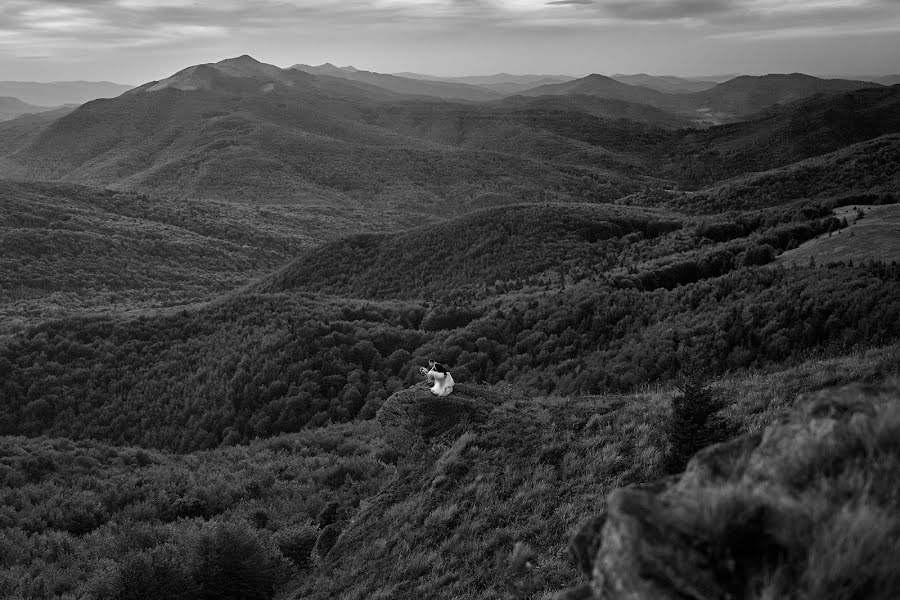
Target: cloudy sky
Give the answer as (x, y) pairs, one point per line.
(133, 41)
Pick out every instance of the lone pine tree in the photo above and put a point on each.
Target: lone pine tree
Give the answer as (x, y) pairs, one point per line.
(695, 422)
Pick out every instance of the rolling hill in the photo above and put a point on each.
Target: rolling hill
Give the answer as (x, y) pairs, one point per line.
(666, 83)
(501, 245)
(11, 108)
(405, 85)
(734, 99)
(746, 95)
(57, 93)
(624, 297)
(501, 83)
(859, 174)
(604, 87)
(791, 133)
(70, 250)
(596, 106)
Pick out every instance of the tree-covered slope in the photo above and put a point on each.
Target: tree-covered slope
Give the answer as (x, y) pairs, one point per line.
(795, 132)
(259, 364)
(510, 246)
(862, 173)
(67, 249)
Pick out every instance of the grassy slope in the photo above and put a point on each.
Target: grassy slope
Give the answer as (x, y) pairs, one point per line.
(874, 236)
(488, 512)
(483, 512)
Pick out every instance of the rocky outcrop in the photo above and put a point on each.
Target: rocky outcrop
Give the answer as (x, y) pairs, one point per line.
(804, 510)
(429, 434)
(413, 418)
(327, 538)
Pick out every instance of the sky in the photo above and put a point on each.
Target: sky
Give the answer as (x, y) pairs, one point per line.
(134, 41)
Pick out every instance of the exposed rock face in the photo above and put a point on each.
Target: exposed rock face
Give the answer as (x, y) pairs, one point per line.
(757, 516)
(412, 418)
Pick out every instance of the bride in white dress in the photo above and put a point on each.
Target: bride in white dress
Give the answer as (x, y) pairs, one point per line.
(440, 377)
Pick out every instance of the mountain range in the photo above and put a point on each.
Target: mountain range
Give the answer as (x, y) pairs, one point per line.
(666, 83)
(734, 99)
(58, 93)
(11, 108)
(405, 85)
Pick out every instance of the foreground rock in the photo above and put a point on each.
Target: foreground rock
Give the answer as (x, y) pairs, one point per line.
(806, 510)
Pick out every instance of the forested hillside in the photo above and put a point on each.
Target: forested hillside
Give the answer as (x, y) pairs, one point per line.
(730, 100)
(68, 249)
(863, 173)
(256, 365)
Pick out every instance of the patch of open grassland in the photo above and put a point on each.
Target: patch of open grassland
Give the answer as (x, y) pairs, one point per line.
(872, 233)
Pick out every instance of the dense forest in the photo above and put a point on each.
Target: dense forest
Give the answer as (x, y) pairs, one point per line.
(256, 365)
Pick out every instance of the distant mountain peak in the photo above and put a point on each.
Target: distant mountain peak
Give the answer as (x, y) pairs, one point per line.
(328, 67)
(243, 58)
(599, 77)
(203, 76)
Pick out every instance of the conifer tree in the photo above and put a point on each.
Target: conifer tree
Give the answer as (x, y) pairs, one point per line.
(695, 422)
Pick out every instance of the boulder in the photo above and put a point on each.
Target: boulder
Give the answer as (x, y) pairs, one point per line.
(756, 506)
(327, 538)
(412, 419)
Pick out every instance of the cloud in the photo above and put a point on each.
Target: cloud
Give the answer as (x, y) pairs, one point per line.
(71, 27)
(570, 2)
(663, 10)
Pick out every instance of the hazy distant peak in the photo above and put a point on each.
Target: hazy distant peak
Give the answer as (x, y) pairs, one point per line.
(403, 85)
(243, 58)
(203, 76)
(57, 93)
(326, 68)
(247, 66)
(10, 102)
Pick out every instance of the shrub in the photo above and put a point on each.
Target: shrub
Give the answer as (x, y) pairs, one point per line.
(234, 564)
(161, 572)
(296, 543)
